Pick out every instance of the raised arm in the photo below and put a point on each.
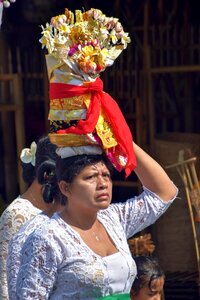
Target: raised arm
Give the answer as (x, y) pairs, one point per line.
(153, 176)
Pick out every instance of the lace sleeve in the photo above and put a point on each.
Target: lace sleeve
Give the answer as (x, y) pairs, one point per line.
(36, 255)
(15, 215)
(140, 212)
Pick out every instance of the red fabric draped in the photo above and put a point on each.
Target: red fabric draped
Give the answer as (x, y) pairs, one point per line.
(111, 109)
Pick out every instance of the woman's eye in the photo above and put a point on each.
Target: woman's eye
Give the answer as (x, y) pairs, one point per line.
(90, 177)
(107, 176)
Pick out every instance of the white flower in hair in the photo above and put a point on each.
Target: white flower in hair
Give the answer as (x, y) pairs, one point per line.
(6, 3)
(28, 154)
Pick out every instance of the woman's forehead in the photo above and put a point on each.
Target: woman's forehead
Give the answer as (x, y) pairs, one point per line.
(96, 166)
(157, 284)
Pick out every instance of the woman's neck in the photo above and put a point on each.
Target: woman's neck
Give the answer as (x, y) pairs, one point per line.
(34, 195)
(84, 220)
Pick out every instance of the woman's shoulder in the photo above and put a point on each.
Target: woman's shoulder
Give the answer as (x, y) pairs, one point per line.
(50, 226)
(54, 230)
(17, 213)
(52, 234)
(20, 205)
(30, 226)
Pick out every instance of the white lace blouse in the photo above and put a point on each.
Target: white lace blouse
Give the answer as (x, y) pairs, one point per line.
(57, 264)
(14, 251)
(14, 216)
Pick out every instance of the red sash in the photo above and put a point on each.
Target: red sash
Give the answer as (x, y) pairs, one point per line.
(111, 109)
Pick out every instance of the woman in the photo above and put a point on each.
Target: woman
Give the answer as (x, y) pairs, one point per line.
(149, 281)
(82, 252)
(27, 205)
(45, 176)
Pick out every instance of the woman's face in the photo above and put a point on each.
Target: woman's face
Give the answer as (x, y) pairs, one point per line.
(154, 293)
(91, 188)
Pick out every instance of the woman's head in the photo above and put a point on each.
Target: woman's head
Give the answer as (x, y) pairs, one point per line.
(68, 168)
(149, 282)
(46, 151)
(85, 180)
(40, 165)
(31, 159)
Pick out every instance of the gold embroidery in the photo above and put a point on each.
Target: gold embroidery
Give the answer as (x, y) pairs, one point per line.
(72, 140)
(66, 115)
(56, 125)
(104, 130)
(72, 103)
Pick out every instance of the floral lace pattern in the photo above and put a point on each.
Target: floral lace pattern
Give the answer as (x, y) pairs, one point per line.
(14, 216)
(14, 251)
(67, 268)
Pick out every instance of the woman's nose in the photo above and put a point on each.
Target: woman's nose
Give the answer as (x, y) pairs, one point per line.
(102, 183)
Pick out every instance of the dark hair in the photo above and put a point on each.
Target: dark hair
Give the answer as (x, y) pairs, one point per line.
(47, 178)
(28, 173)
(45, 151)
(148, 269)
(44, 170)
(68, 168)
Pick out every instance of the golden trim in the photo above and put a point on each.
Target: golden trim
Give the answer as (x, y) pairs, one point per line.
(67, 115)
(71, 140)
(70, 103)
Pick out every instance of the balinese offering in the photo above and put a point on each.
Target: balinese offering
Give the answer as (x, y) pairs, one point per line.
(80, 46)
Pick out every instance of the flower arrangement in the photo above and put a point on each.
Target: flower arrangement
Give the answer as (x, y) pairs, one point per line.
(89, 39)
(80, 46)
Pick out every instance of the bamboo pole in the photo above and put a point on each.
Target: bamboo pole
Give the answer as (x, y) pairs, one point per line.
(187, 171)
(193, 230)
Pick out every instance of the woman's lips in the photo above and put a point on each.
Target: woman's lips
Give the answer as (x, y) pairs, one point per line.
(103, 195)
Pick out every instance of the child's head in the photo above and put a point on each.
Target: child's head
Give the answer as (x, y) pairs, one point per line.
(149, 282)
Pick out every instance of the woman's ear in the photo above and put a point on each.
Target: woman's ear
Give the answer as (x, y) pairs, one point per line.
(64, 188)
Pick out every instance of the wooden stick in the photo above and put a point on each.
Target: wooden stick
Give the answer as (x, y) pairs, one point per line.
(187, 176)
(192, 159)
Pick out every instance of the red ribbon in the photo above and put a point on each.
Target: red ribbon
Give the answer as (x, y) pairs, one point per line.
(111, 109)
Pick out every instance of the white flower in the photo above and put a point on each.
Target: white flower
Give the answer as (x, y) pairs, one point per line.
(6, 3)
(28, 154)
(69, 35)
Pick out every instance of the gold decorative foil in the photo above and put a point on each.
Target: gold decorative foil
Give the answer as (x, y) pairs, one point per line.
(71, 103)
(72, 140)
(67, 115)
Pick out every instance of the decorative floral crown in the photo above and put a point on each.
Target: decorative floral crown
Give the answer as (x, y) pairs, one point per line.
(90, 39)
